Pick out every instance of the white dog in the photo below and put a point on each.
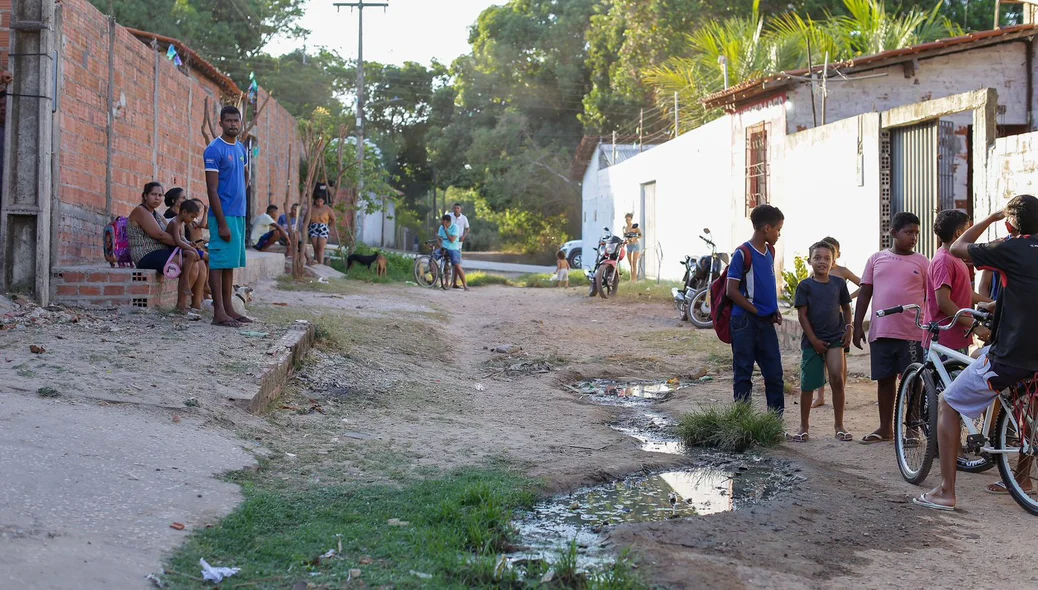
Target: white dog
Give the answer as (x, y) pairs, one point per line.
(242, 296)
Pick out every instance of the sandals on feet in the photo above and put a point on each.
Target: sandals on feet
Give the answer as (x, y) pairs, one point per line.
(873, 438)
(797, 438)
(844, 436)
(921, 500)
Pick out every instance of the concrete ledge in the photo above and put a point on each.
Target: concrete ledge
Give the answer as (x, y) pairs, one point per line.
(259, 266)
(288, 351)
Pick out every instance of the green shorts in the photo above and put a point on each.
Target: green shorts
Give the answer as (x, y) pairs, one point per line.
(226, 255)
(812, 368)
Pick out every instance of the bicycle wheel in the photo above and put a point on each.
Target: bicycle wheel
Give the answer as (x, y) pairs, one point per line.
(915, 424)
(1019, 470)
(426, 271)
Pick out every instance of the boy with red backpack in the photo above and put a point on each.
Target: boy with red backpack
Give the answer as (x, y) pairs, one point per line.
(753, 290)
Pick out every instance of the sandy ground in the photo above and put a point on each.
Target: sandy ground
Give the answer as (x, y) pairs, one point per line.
(412, 387)
(851, 524)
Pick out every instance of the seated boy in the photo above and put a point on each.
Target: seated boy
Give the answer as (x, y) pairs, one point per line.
(266, 232)
(1012, 357)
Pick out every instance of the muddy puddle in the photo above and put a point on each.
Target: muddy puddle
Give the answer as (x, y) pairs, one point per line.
(720, 483)
(712, 483)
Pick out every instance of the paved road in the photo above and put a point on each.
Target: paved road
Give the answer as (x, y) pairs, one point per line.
(89, 492)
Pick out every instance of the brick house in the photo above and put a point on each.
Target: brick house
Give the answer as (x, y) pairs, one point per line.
(101, 112)
(941, 125)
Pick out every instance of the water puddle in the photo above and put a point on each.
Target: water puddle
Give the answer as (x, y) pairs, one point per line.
(625, 393)
(653, 430)
(726, 483)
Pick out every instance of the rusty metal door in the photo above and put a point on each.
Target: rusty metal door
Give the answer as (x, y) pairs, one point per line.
(922, 171)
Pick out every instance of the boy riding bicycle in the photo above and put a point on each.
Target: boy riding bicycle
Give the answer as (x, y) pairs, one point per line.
(1012, 357)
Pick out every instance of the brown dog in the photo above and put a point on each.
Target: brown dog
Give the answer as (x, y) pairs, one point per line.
(381, 266)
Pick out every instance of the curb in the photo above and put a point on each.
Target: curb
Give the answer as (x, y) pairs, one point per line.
(288, 351)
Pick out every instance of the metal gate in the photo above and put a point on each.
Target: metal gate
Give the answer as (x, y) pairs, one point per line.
(922, 174)
(650, 262)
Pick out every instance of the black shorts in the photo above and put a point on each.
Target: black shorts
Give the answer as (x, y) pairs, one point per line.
(155, 260)
(890, 356)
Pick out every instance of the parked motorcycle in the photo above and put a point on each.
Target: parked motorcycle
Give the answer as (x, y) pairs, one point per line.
(693, 299)
(605, 275)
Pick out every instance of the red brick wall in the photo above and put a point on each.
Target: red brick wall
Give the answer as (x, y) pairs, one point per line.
(5, 32)
(177, 155)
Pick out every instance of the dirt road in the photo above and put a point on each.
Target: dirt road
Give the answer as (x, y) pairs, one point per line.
(424, 390)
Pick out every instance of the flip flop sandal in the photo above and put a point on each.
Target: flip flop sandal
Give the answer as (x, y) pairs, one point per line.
(873, 438)
(843, 436)
(921, 500)
(999, 489)
(797, 438)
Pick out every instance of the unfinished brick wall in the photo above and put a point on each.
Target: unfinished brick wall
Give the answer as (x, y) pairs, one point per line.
(5, 32)
(148, 143)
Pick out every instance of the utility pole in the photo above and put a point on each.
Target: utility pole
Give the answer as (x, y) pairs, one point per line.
(360, 6)
(675, 114)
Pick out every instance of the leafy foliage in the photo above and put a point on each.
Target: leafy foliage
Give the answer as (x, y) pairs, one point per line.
(791, 278)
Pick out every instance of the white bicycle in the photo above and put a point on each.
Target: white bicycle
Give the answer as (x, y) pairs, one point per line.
(1007, 434)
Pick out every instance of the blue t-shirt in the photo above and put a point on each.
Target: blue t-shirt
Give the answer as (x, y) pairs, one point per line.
(760, 286)
(453, 231)
(229, 160)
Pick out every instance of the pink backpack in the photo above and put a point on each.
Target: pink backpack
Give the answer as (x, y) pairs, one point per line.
(117, 243)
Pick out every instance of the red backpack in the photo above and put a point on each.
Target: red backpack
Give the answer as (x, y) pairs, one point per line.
(721, 308)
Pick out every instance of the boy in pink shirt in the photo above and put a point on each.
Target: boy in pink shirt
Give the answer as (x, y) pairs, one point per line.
(892, 277)
(949, 287)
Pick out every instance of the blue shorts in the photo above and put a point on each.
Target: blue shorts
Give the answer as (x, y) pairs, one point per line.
(264, 240)
(227, 255)
(454, 254)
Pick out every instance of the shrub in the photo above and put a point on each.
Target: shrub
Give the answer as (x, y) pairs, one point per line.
(734, 428)
(791, 279)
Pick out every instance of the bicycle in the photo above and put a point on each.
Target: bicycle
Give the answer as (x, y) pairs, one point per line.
(997, 440)
(427, 270)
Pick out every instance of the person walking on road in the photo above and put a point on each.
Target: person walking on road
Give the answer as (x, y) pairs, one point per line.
(634, 246)
(226, 176)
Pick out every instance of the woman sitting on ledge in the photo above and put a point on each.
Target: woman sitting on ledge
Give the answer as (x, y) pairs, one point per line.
(151, 246)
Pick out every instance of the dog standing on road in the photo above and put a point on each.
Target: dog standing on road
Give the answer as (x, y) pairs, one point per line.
(367, 260)
(381, 266)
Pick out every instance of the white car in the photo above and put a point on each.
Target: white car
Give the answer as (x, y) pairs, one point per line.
(571, 250)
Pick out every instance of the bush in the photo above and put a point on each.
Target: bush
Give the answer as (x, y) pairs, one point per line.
(734, 428)
(791, 279)
(482, 279)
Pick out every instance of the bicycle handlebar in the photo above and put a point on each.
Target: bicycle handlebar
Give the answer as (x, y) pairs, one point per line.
(976, 313)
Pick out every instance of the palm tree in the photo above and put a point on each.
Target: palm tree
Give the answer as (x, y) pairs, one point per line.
(754, 49)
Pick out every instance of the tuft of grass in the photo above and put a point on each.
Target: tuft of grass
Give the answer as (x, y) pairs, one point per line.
(47, 392)
(482, 279)
(733, 428)
(646, 291)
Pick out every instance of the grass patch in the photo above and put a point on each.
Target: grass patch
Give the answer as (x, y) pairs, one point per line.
(646, 292)
(482, 279)
(733, 428)
(399, 268)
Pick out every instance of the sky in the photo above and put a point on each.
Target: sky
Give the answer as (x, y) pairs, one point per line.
(408, 30)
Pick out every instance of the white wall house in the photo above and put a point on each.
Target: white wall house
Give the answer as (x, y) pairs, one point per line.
(378, 229)
(915, 129)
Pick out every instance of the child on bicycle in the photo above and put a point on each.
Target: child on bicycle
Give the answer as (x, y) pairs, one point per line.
(892, 277)
(848, 275)
(949, 287)
(562, 269)
(449, 236)
(1012, 356)
(824, 307)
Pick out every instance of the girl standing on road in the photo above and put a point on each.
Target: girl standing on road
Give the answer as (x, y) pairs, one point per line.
(634, 247)
(320, 218)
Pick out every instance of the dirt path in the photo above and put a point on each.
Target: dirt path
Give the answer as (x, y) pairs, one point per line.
(424, 390)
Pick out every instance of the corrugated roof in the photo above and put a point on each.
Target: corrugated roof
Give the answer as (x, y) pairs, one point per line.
(754, 88)
(194, 61)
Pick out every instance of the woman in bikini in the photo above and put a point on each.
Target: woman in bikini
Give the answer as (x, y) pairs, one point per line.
(634, 247)
(151, 246)
(320, 218)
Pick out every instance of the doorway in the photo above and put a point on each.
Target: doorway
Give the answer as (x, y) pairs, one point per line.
(922, 159)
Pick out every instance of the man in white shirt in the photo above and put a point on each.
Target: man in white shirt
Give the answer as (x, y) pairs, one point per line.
(265, 231)
(462, 223)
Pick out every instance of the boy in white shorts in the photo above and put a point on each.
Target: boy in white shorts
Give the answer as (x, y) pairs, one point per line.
(1012, 356)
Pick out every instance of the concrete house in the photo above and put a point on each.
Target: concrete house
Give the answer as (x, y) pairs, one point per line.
(940, 125)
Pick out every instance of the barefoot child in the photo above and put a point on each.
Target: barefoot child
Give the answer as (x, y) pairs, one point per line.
(188, 212)
(892, 277)
(562, 269)
(848, 275)
(824, 307)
